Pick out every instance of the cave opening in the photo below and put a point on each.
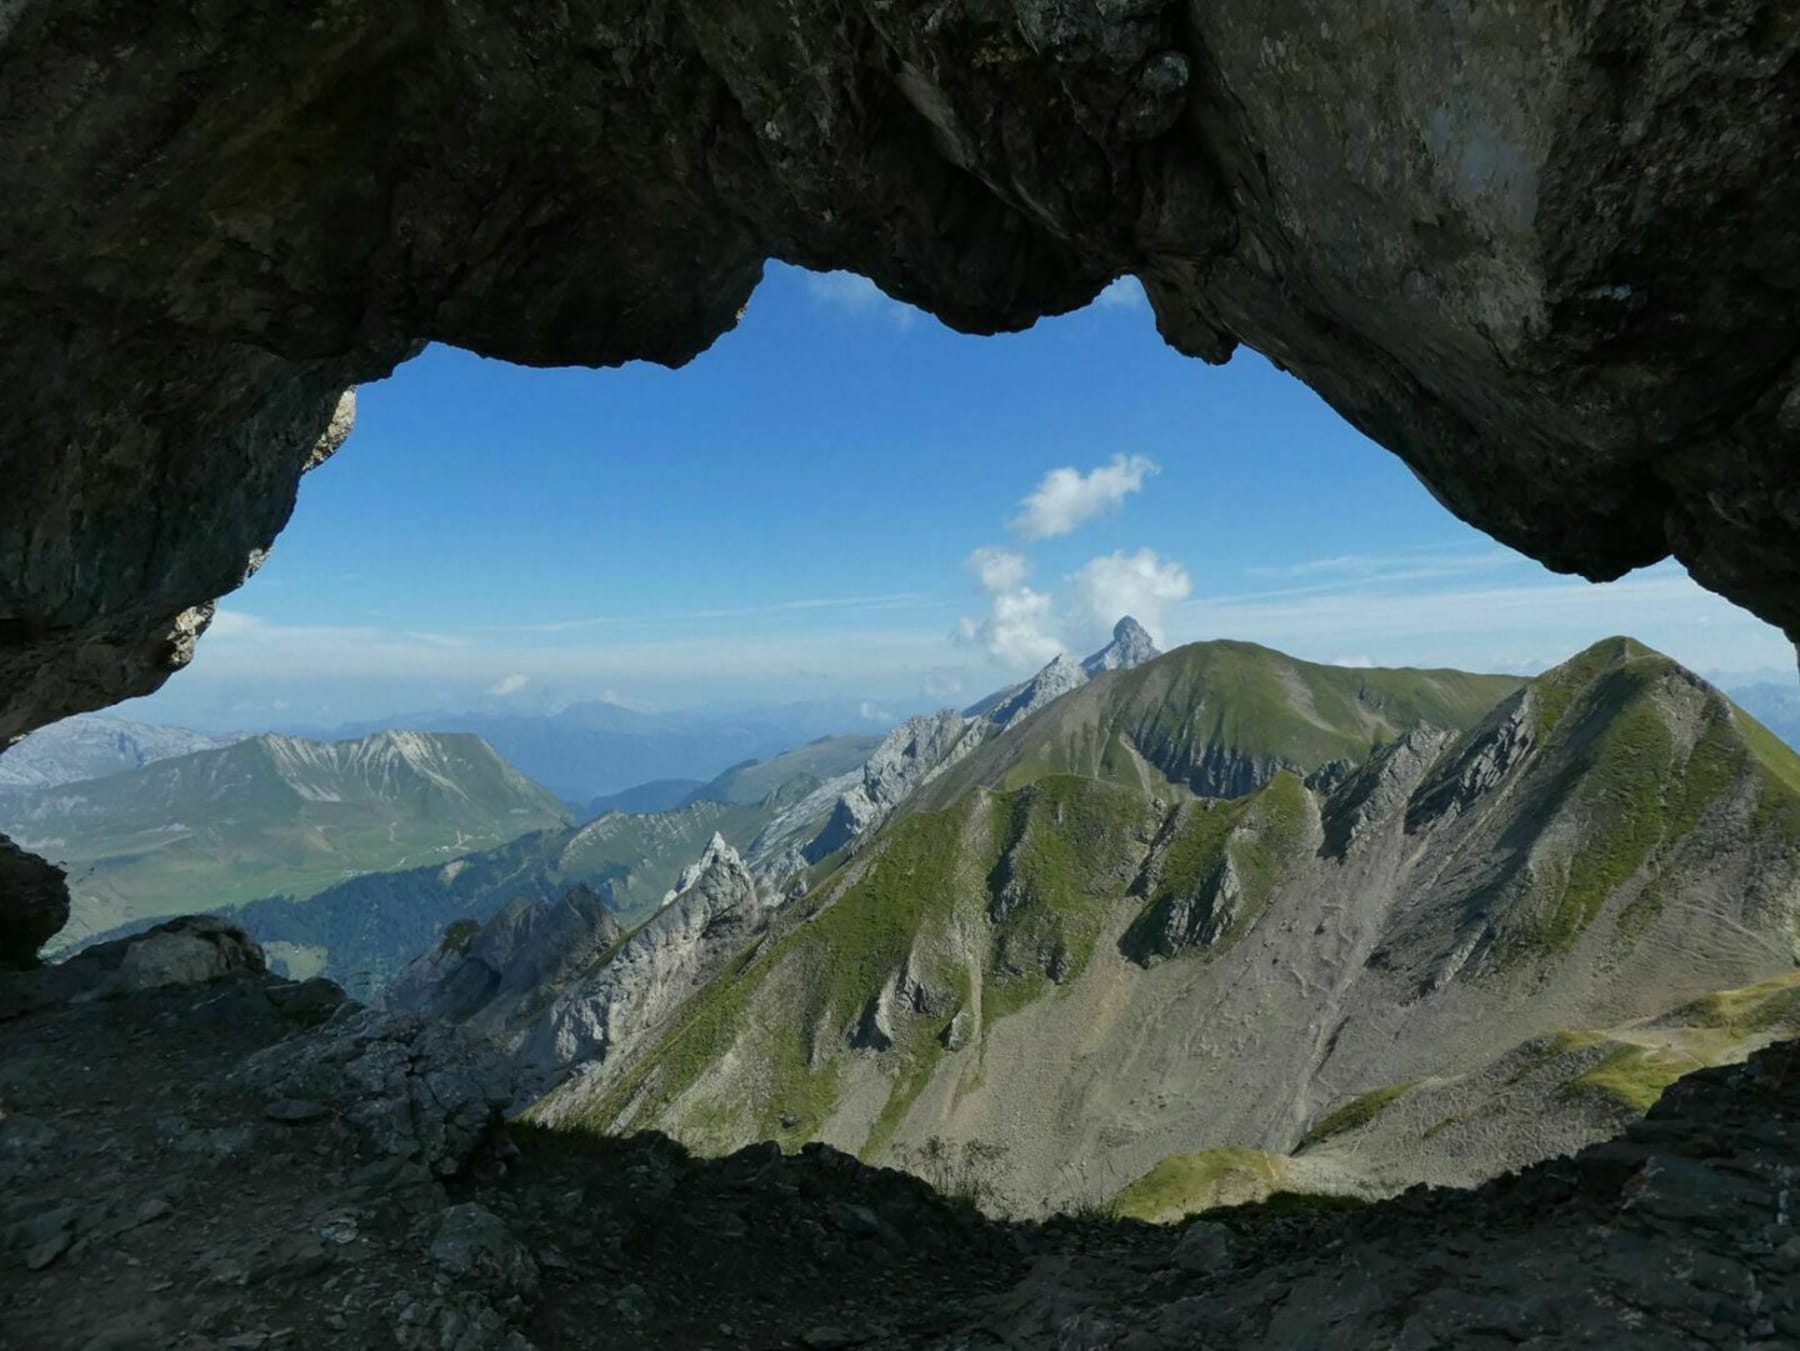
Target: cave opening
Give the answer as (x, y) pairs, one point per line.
(773, 632)
(1040, 944)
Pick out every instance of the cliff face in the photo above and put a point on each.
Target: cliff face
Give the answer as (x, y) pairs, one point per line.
(1546, 256)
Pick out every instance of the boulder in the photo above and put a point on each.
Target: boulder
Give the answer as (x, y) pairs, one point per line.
(411, 1087)
(34, 904)
(188, 951)
(475, 1249)
(1204, 1249)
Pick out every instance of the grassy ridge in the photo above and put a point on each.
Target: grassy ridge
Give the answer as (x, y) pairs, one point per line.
(1220, 869)
(1219, 719)
(1639, 792)
(984, 907)
(1183, 1184)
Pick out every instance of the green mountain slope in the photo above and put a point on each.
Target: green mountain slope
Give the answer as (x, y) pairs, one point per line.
(1078, 977)
(790, 776)
(271, 814)
(1217, 719)
(362, 931)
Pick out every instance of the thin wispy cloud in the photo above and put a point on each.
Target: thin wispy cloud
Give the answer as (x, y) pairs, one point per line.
(1067, 499)
(1405, 563)
(851, 293)
(238, 629)
(901, 600)
(877, 659)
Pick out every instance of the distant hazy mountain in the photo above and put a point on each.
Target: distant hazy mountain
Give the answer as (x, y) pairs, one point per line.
(272, 814)
(91, 747)
(659, 795)
(1232, 923)
(596, 749)
(363, 930)
(1776, 706)
(780, 778)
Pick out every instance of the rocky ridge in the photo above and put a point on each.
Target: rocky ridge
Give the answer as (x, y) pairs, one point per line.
(919, 751)
(93, 747)
(716, 911)
(160, 1187)
(562, 988)
(1476, 950)
(488, 976)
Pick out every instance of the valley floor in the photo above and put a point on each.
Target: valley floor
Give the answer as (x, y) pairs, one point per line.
(167, 1181)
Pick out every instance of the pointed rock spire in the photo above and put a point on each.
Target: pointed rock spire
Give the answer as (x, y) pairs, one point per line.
(1131, 646)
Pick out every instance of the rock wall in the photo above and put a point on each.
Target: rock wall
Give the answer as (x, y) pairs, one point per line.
(1547, 254)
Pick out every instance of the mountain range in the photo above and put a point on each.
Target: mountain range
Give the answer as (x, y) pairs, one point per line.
(791, 815)
(594, 749)
(362, 930)
(93, 746)
(270, 815)
(1223, 924)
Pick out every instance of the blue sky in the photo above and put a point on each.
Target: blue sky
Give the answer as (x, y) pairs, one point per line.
(844, 499)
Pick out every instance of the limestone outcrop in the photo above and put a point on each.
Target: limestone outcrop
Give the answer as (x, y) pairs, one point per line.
(488, 976)
(1548, 256)
(610, 1007)
(1131, 646)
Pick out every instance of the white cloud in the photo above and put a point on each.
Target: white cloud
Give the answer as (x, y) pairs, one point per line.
(1125, 293)
(511, 684)
(1359, 660)
(1019, 630)
(854, 294)
(1141, 584)
(1067, 498)
(902, 600)
(999, 569)
(869, 712)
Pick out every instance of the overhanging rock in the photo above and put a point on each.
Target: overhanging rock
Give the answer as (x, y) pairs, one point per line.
(1549, 255)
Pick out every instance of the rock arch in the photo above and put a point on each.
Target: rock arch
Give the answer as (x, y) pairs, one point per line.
(1547, 253)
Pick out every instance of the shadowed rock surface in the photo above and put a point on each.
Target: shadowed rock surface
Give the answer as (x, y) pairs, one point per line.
(158, 1191)
(1546, 255)
(34, 904)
